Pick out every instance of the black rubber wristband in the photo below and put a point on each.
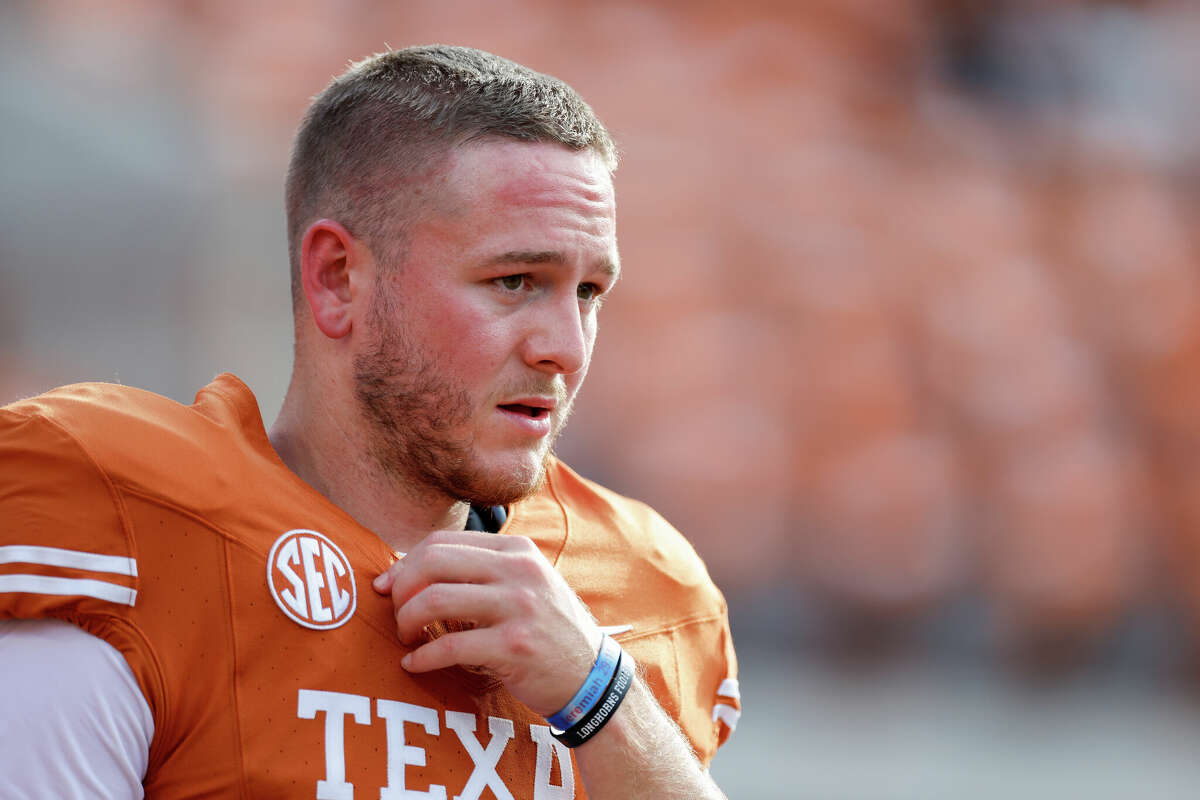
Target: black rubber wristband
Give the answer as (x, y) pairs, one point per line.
(614, 693)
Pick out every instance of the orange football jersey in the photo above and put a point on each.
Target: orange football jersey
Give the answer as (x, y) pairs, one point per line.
(241, 599)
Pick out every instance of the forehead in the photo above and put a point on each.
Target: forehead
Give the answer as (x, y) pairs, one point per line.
(509, 177)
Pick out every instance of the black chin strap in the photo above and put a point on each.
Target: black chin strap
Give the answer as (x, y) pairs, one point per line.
(486, 519)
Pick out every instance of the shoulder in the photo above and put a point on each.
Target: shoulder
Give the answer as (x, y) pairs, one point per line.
(64, 542)
(601, 529)
(136, 441)
(69, 460)
(87, 405)
(125, 432)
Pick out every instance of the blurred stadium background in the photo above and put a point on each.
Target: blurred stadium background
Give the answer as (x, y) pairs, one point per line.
(908, 342)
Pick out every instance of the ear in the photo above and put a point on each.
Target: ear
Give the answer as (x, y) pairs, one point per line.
(332, 263)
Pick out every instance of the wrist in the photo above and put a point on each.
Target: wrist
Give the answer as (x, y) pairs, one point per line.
(586, 721)
(592, 688)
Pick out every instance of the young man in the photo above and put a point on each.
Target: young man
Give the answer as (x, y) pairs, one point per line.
(398, 592)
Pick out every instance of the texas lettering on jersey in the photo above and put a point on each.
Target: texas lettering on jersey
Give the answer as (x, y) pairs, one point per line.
(551, 779)
(241, 600)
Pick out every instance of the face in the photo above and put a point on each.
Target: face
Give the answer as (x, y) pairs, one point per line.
(475, 346)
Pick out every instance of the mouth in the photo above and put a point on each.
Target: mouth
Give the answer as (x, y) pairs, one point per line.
(526, 409)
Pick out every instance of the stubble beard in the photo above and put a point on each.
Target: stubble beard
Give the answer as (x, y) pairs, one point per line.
(414, 413)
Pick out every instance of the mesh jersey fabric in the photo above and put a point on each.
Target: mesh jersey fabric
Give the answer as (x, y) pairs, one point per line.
(150, 524)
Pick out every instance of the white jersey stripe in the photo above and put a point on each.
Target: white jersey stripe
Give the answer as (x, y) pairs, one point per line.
(44, 584)
(729, 688)
(59, 557)
(613, 630)
(727, 714)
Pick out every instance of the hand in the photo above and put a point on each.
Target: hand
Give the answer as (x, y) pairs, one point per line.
(531, 630)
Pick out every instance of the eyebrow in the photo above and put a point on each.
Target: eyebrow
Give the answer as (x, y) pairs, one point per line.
(606, 266)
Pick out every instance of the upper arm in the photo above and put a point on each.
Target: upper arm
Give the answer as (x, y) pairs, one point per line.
(75, 722)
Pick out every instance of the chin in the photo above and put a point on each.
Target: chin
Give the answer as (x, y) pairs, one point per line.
(501, 485)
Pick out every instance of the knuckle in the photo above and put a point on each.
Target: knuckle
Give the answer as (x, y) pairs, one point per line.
(449, 645)
(435, 598)
(520, 640)
(401, 618)
(400, 590)
(527, 568)
(525, 600)
(435, 557)
(432, 541)
(520, 544)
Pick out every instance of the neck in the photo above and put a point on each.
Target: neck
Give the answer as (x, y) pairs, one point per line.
(334, 460)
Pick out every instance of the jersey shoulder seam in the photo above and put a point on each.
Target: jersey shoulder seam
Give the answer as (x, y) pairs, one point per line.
(672, 627)
(562, 509)
(110, 485)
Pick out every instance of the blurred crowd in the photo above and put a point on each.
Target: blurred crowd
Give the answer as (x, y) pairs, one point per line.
(911, 305)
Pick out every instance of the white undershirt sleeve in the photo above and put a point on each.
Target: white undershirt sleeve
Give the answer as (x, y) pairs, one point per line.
(73, 720)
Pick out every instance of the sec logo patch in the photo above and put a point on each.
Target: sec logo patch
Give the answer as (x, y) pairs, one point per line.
(311, 579)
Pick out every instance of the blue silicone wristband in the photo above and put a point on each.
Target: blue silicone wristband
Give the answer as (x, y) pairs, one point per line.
(598, 717)
(593, 686)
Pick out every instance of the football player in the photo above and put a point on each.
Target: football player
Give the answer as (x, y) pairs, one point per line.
(397, 591)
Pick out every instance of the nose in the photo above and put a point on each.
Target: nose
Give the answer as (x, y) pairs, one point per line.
(560, 338)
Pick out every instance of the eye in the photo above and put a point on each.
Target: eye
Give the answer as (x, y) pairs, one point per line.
(588, 292)
(512, 283)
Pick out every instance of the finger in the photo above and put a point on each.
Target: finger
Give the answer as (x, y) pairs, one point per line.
(478, 647)
(383, 581)
(451, 562)
(511, 652)
(467, 602)
(486, 541)
(438, 540)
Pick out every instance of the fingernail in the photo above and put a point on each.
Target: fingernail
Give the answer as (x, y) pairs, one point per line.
(406, 662)
(380, 581)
